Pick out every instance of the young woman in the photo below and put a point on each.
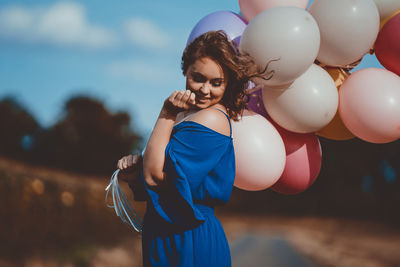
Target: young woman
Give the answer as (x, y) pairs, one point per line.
(188, 166)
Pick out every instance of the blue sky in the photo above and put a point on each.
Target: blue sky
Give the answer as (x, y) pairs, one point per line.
(124, 53)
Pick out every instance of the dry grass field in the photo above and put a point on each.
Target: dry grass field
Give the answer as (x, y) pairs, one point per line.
(55, 218)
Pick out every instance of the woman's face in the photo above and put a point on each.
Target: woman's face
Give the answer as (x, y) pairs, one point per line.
(206, 79)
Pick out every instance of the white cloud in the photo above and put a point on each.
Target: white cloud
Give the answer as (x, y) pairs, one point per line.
(145, 33)
(63, 23)
(140, 71)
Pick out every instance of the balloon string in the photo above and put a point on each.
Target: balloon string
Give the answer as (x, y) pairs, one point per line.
(121, 204)
(344, 72)
(347, 67)
(371, 51)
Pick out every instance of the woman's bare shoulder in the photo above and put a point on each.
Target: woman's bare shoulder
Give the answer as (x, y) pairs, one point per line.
(213, 119)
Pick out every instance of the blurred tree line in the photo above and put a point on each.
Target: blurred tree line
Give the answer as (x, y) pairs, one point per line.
(357, 179)
(88, 138)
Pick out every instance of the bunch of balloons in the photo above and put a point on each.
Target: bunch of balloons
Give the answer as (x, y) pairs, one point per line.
(308, 89)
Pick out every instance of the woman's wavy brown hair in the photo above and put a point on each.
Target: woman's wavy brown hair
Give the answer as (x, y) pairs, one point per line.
(238, 67)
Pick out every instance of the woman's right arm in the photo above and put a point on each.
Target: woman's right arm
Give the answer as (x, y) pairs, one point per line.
(154, 155)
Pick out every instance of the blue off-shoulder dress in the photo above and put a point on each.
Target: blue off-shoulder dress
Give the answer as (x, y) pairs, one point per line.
(179, 226)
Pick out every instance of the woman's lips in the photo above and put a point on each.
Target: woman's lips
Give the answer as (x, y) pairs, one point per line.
(200, 98)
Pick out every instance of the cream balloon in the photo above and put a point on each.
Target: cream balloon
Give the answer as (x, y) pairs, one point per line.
(259, 152)
(251, 8)
(307, 105)
(370, 105)
(348, 29)
(287, 38)
(387, 7)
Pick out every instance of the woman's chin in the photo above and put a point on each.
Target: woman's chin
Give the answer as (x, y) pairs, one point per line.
(202, 105)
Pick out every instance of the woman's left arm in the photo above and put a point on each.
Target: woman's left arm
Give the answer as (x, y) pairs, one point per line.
(154, 155)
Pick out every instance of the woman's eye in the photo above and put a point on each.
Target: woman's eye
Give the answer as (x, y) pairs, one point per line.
(198, 78)
(216, 83)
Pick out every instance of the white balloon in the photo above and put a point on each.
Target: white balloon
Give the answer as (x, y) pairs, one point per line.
(308, 105)
(287, 37)
(387, 7)
(348, 29)
(259, 151)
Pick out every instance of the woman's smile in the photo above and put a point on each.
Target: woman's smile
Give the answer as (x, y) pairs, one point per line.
(201, 98)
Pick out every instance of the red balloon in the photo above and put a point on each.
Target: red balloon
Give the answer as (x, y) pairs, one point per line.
(387, 45)
(303, 162)
(303, 154)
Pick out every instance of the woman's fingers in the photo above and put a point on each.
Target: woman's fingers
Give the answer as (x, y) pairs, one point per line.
(173, 96)
(179, 101)
(192, 99)
(184, 99)
(127, 162)
(189, 99)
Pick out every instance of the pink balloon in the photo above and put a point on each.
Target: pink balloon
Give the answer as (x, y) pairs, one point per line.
(303, 162)
(251, 8)
(259, 152)
(303, 154)
(369, 105)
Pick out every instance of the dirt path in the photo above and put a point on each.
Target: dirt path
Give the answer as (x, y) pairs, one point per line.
(325, 241)
(260, 250)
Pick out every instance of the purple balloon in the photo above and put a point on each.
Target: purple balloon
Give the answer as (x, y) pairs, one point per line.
(256, 103)
(231, 23)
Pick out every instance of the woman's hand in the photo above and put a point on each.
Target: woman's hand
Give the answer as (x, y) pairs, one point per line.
(178, 101)
(129, 167)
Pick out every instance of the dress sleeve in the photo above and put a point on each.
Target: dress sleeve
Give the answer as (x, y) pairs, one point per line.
(192, 153)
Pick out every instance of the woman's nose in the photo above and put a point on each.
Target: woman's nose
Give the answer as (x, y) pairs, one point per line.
(205, 88)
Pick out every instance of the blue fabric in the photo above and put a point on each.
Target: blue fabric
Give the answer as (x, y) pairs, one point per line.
(179, 227)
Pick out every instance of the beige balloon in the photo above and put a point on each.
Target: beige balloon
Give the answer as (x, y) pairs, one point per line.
(348, 29)
(287, 37)
(306, 106)
(387, 7)
(260, 154)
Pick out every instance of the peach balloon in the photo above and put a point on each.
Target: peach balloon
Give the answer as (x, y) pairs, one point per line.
(259, 152)
(370, 105)
(251, 8)
(336, 130)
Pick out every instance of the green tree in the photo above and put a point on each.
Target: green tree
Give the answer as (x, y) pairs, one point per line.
(17, 126)
(88, 138)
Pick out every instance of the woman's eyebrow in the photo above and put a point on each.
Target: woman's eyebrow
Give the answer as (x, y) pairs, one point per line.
(197, 73)
(202, 75)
